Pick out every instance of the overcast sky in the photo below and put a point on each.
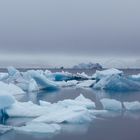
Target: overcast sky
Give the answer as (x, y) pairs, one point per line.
(65, 32)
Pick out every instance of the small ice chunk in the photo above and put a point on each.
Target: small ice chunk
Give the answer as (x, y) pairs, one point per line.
(111, 104)
(39, 128)
(132, 106)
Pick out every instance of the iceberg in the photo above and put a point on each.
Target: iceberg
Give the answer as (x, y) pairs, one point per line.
(6, 100)
(79, 101)
(86, 83)
(40, 79)
(70, 111)
(39, 128)
(106, 73)
(66, 83)
(132, 106)
(32, 86)
(135, 77)
(3, 76)
(10, 88)
(25, 109)
(63, 76)
(66, 115)
(111, 104)
(117, 83)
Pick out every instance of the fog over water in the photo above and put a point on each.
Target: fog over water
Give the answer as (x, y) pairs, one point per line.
(54, 33)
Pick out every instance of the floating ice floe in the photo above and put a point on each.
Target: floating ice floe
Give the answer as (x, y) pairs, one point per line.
(27, 109)
(132, 106)
(66, 115)
(86, 83)
(106, 73)
(39, 128)
(117, 83)
(111, 104)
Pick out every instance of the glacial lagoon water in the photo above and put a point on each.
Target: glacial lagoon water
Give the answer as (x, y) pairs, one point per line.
(114, 126)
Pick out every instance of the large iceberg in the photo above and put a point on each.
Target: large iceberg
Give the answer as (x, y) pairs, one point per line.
(28, 109)
(117, 83)
(106, 73)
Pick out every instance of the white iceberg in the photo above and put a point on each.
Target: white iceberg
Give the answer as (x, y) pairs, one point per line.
(10, 88)
(132, 106)
(70, 111)
(40, 78)
(135, 77)
(3, 76)
(66, 115)
(111, 104)
(6, 100)
(106, 73)
(25, 109)
(39, 128)
(79, 101)
(86, 83)
(69, 83)
(117, 83)
(82, 76)
(62, 76)
(32, 86)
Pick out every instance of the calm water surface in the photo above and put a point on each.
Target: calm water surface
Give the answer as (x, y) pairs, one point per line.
(114, 126)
